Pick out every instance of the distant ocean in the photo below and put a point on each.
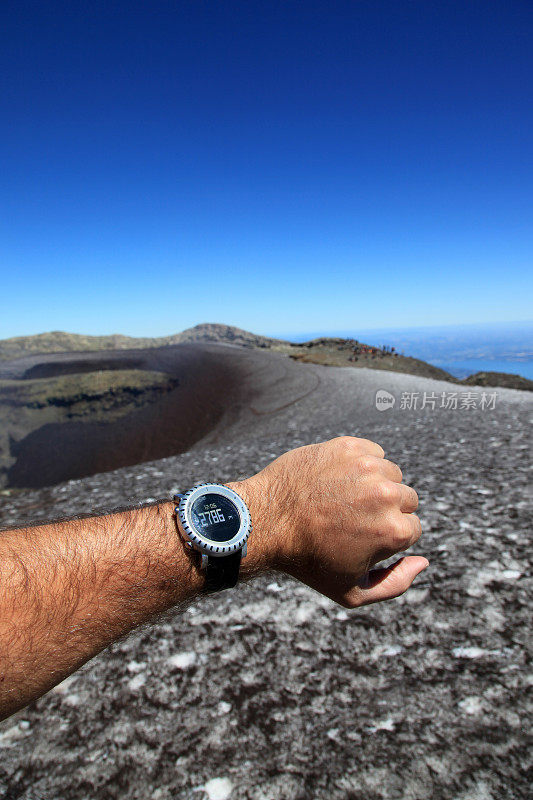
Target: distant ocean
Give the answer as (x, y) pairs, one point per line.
(461, 350)
(468, 366)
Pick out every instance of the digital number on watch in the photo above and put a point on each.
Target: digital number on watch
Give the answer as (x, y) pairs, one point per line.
(215, 517)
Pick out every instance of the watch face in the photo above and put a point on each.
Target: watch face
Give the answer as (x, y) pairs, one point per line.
(215, 517)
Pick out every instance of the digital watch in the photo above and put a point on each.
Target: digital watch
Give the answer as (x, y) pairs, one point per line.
(215, 520)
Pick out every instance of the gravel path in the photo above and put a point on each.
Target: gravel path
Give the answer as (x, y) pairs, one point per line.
(272, 692)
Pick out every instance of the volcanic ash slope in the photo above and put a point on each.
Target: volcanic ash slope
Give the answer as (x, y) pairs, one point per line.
(273, 692)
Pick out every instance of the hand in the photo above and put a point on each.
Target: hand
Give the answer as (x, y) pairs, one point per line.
(326, 513)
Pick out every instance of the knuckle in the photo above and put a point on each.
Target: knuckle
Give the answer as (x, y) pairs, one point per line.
(345, 443)
(386, 492)
(354, 444)
(402, 541)
(389, 529)
(396, 532)
(366, 443)
(398, 470)
(367, 463)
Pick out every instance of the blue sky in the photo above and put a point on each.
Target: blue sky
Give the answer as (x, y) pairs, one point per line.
(280, 166)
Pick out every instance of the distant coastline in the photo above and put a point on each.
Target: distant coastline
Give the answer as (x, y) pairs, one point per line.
(461, 350)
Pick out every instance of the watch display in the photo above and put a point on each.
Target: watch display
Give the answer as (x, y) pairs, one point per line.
(215, 517)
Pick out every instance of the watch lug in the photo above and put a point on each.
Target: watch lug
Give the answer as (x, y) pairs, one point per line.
(244, 550)
(203, 565)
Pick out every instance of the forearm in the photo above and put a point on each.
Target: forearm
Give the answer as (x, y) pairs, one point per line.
(68, 589)
(324, 513)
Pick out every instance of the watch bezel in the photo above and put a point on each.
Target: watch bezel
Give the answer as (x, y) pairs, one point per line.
(201, 543)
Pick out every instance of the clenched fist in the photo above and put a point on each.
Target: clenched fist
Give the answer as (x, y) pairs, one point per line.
(327, 513)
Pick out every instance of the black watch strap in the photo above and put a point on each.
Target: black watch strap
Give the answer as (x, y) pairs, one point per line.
(222, 572)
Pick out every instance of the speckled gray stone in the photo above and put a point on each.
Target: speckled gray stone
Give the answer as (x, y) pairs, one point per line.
(273, 687)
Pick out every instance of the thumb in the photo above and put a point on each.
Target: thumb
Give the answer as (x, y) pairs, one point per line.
(386, 582)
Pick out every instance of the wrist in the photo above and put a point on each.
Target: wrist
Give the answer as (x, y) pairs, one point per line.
(264, 550)
(175, 558)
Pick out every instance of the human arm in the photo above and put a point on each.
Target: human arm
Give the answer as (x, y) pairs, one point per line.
(324, 513)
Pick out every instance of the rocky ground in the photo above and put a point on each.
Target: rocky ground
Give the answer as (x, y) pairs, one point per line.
(271, 692)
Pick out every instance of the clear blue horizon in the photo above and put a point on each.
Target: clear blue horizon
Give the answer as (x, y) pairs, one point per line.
(279, 167)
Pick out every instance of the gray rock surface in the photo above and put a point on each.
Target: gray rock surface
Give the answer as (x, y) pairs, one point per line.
(271, 692)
